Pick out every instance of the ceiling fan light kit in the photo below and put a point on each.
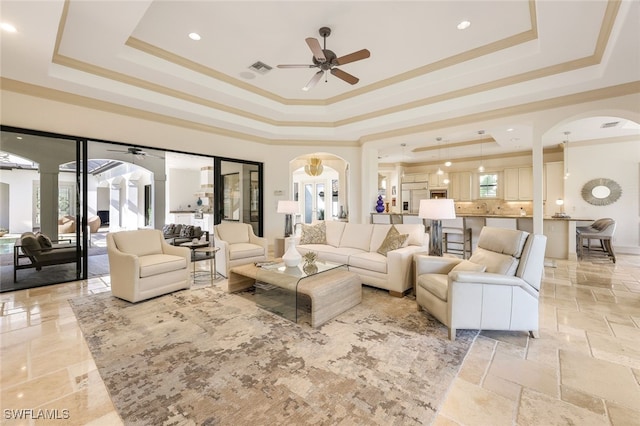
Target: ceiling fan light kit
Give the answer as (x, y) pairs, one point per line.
(327, 60)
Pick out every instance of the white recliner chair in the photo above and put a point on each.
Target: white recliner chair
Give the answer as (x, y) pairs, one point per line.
(142, 265)
(496, 289)
(238, 245)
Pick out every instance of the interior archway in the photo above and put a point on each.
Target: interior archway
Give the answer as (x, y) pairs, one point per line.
(320, 183)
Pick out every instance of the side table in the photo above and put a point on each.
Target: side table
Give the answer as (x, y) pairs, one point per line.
(210, 254)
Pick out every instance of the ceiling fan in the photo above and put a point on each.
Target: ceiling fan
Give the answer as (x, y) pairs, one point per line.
(137, 152)
(326, 60)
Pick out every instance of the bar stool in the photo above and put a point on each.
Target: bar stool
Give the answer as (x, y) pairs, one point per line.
(456, 237)
(601, 229)
(462, 245)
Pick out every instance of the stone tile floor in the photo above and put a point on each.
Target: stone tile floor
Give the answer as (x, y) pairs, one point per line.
(584, 369)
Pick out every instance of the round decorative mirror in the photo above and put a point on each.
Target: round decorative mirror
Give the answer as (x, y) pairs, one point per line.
(601, 192)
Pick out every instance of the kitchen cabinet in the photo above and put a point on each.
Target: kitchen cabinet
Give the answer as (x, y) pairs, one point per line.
(518, 184)
(460, 186)
(180, 218)
(437, 181)
(415, 177)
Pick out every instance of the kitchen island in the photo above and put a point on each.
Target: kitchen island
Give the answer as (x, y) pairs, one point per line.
(560, 232)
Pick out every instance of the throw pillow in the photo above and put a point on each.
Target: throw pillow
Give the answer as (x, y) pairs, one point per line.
(186, 231)
(314, 234)
(394, 240)
(168, 229)
(467, 266)
(44, 240)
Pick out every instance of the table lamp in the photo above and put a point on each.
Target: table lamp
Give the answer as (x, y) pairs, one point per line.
(562, 214)
(436, 209)
(289, 208)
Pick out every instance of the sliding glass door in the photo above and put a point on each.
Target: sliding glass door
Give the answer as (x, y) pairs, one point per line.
(45, 191)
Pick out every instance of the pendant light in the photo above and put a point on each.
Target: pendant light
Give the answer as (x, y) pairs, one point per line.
(439, 172)
(566, 154)
(481, 167)
(403, 145)
(314, 167)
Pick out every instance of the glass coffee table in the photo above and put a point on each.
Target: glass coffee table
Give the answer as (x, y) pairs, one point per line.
(278, 288)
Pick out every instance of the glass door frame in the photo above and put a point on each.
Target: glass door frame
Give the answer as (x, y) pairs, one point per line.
(218, 185)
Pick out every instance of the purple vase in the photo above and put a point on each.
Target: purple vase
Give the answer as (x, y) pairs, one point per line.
(379, 204)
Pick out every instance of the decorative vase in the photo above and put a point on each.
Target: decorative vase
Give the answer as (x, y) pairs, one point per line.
(292, 257)
(380, 204)
(310, 268)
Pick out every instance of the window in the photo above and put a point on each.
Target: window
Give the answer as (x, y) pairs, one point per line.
(489, 185)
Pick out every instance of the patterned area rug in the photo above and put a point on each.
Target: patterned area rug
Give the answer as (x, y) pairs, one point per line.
(203, 356)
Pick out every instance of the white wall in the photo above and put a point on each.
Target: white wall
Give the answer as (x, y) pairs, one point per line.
(621, 163)
(182, 185)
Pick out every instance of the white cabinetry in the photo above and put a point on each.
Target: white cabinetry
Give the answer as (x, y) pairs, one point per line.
(518, 184)
(525, 183)
(182, 218)
(437, 181)
(460, 186)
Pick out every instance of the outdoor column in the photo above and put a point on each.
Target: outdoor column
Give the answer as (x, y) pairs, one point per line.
(49, 199)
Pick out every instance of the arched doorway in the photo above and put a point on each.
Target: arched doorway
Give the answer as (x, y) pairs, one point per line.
(320, 184)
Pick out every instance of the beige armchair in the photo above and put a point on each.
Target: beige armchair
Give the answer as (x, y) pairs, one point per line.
(142, 265)
(496, 289)
(238, 244)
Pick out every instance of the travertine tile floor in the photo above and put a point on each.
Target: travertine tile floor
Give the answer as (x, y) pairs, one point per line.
(584, 370)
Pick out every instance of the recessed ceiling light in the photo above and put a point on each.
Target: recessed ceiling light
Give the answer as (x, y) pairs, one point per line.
(8, 27)
(194, 36)
(447, 163)
(510, 129)
(463, 25)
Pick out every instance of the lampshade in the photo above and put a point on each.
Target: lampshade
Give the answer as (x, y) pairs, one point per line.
(559, 201)
(288, 207)
(437, 208)
(314, 168)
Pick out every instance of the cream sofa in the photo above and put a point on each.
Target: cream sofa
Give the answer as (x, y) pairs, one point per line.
(496, 289)
(357, 245)
(142, 265)
(238, 245)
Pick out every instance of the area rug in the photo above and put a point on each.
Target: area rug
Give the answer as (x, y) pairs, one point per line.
(203, 356)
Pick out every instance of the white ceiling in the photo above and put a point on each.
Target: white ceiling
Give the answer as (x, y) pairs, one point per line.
(424, 78)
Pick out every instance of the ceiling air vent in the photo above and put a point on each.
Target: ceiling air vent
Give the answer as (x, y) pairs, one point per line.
(260, 67)
(609, 124)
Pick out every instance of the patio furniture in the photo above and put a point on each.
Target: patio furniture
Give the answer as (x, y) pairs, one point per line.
(38, 250)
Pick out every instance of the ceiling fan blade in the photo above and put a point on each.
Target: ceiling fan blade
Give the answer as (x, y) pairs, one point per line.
(296, 66)
(314, 80)
(344, 76)
(352, 57)
(314, 45)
